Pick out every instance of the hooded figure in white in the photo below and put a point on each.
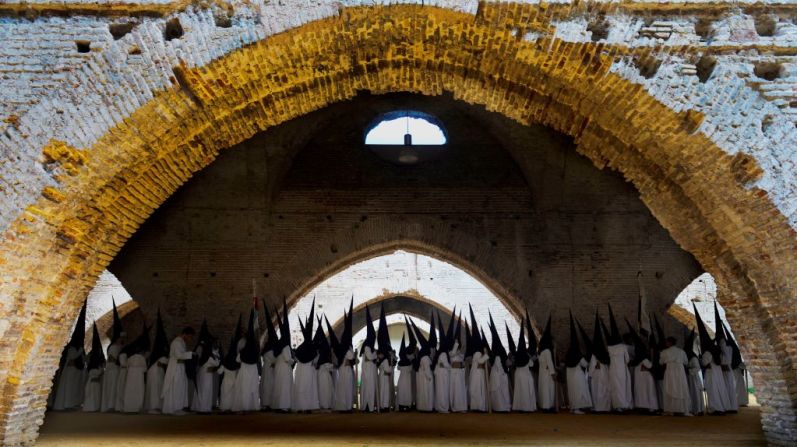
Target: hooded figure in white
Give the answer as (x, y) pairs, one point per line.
(175, 382)
(269, 360)
(500, 399)
(619, 377)
(716, 389)
(547, 371)
(247, 381)
(111, 375)
(578, 395)
(405, 395)
(69, 389)
(305, 381)
(230, 365)
(676, 387)
(600, 383)
(324, 370)
(457, 381)
(344, 386)
(208, 361)
(93, 391)
(135, 388)
(694, 377)
(158, 360)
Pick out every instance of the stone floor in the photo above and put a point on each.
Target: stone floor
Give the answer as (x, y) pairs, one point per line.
(73, 429)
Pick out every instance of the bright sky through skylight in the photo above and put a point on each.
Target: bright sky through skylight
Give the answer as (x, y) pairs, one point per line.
(392, 132)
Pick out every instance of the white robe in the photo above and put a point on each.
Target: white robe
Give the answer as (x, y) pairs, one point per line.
(578, 395)
(121, 382)
(695, 379)
(175, 381)
(203, 392)
(477, 382)
(716, 391)
(70, 387)
(267, 379)
(135, 384)
(547, 381)
(620, 379)
(425, 383)
(247, 388)
(109, 377)
(227, 389)
(675, 392)
(442, 386)
(742, 398)
(283, 380)
(93, 392)
(386, 391)
(600, 385)
(404, 394)
(153, 402)
(645, 393)
(499, 388)
(305, 387)
(458, 388)
(730, 378)
(524, 391)
(368, 378)
(344, 385)
(326, 386)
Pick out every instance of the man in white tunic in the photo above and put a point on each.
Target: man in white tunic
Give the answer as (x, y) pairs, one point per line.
(620, 379)
(134, 390)
(600, 382)
(69, 390)
(247, 381)
(158, 360)
(111, 375)
(718, 401)
(175, 382)
(405, 395)
(676, 387)
(645, 394)
(578, 397)
(547, 371)
(368, 378)
(208, 361)
(93, 391)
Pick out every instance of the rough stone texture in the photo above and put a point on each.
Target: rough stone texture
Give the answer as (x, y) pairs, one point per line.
(712, 153)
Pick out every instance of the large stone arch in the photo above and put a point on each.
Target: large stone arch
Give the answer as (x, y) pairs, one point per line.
(55, 249)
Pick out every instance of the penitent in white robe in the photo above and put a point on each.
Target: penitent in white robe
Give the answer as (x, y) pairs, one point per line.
(620, 379)
(227, 388)
(742, 398)
(326, 386)
(499, 388)
(203, 392)
(267, 379)
(283, 380)
(135, 384)
(344, 385)
(695, 379)
(442, 386)
(716, 391)
(730, 378)
(109, 377)
(175, 381)
(425, 383)
(69, 390)
(121, 382)
(386, 391)
(305, 387)
(600, 385)
(405, 390)
(458, 389)
(645, 393)
(477, 382)
(247, 388)
(524, 393)
(547, 381)
(153, 402)
(368, 378)
(578, 394)
(675, 392)
(93, 392)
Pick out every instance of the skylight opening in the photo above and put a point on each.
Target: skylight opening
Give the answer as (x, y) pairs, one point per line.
(391, 129)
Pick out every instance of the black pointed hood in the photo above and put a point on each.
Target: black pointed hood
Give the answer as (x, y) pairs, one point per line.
(521, 355)
(117, 329)
(271, 333)
(599, 349)
(306, 351)
(497, 347)
(160, 346)
(587, 341)
(370, 331)
(322, 346)
(383, 336)
(413, 342)
(458, 332)
(689, 345)
(346, 338)
(404, 353)
(546, 341)
(308, 325)
(230, 361)
(532, 348)
(736, 359)
(659, 333)
(449, 338)
(432, 333)
(641, 350)
(78, 338)
(140, 344)
(574, 355)
(334, 343)
(285, 329)
(614, 336)
(250, 353)
(473, 344)
(510, 340)
(96, 357)
(424, 344)
(706, 342)
(719, 332)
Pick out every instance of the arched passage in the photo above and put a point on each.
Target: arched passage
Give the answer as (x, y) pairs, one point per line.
(696, 190)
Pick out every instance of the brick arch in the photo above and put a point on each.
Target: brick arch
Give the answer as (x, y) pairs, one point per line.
(58, 246)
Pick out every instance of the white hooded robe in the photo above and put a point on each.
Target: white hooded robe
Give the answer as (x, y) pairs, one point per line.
(675, 393)
(175, 382)
(547, 381)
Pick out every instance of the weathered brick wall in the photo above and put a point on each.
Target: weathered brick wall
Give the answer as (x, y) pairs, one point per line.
(711, 151)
